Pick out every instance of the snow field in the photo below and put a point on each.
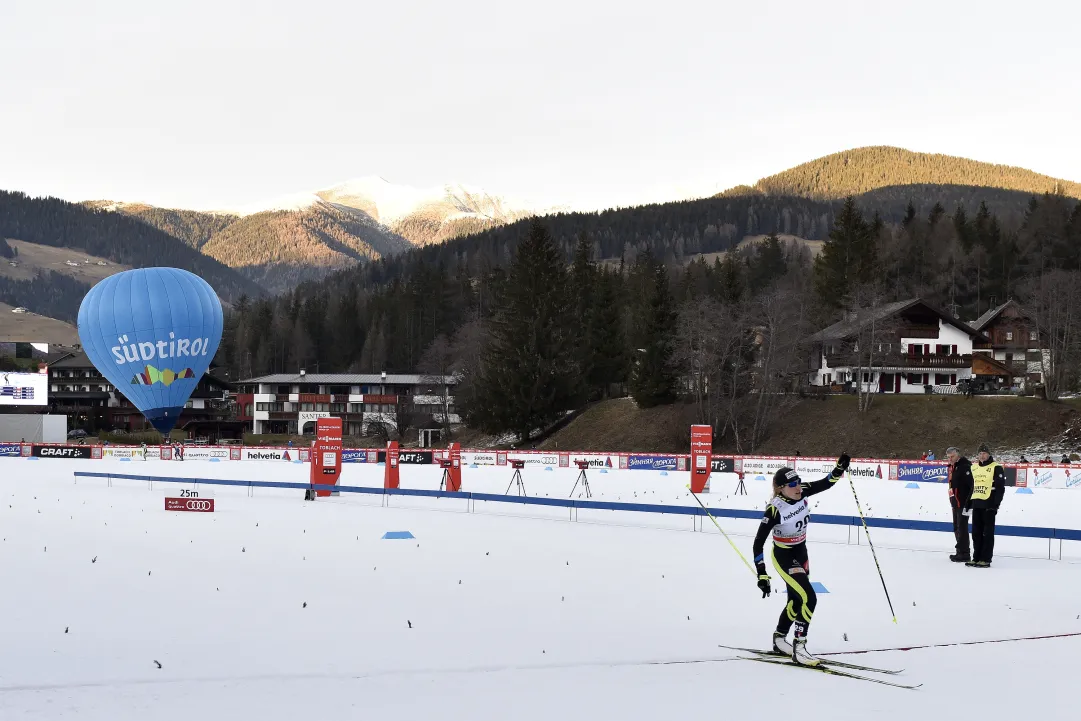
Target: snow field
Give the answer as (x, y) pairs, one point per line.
(551, 618)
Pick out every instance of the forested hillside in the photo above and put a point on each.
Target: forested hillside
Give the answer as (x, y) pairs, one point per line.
(191, 226)
(118, 237)
(864, 170)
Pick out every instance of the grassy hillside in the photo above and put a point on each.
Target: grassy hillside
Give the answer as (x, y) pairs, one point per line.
(190, 226)
(895, 427)
(863, 170)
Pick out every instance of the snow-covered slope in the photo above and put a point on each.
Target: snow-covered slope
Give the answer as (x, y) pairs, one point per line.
(116, 609)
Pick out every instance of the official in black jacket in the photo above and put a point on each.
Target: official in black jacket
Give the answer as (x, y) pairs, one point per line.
(960, 483)
(988, 488)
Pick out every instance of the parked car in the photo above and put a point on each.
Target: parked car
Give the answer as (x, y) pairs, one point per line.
(77, 433)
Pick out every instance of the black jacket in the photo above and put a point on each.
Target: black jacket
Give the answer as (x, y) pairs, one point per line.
(998, 488)
(961, 483)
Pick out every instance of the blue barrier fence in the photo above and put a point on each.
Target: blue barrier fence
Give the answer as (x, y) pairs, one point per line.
(1061, 534)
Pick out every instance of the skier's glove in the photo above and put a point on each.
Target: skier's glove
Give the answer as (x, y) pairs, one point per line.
(763, 585)
(842, 465)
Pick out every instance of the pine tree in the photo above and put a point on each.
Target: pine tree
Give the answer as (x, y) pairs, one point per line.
(530, 375)
(767, 263)
(847, 257)
(607, 344)
(653, 380)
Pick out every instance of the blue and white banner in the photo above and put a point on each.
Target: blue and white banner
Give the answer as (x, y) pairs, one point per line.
(354, 455)
(922, 472)
(651, 463)
(11, 449)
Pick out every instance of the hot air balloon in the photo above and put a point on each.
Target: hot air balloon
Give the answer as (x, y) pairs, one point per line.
(153, 333)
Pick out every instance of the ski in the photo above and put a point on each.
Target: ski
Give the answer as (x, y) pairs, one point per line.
(779, 661)
(831, 662)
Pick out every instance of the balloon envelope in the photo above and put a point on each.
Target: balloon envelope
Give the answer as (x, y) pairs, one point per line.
(152, 332)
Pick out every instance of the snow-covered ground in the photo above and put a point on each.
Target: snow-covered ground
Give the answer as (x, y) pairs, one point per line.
(509, 612)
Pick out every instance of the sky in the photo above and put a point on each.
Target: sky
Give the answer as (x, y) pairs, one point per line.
(583, 104)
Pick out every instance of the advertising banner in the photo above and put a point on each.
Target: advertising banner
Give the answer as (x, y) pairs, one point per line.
(250, 453)
(326, 465)
(11, 449)
(869, 469)
(535, 459)
(723, 465)
(762, 469)
(478, 459)
(812, 469)
(652, 463)
(196, 505)
(1054, 477)
(354, 455)
(594, 461)
(62, 451)
(924, 471)
(701, 453)
(206, 453)
(153, 453)
(409, 457)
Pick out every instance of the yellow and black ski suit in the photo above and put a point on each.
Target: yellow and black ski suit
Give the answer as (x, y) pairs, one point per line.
(787, 520)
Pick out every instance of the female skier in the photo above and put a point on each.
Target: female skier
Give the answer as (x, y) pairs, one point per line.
(787, 516)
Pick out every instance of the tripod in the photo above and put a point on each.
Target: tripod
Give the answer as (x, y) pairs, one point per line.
(741, 490)
(443, 483)
(516, 478)
(585, 484)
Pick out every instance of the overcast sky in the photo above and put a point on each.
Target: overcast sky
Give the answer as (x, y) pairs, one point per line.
(217, 104)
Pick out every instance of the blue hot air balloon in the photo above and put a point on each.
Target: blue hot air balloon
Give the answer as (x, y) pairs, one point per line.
(153, 333)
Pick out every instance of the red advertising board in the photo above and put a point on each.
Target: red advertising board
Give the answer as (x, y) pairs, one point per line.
(326, 461)
(195, 505)
(701, 456)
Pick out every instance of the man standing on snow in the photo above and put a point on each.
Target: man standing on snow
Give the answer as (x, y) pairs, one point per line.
(988, 488)
(960, 484)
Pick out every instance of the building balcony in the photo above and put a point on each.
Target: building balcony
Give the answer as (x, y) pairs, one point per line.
(902, 361)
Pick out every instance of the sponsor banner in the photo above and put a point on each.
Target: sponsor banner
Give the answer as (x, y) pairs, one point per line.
(205, 453)
(762, 469)
(652, 463)
(251, 453)
(354, 455)
(478, 459)
(870, 469)
(723, 465)
(594, 461)
(195, 505)
(926, 472)
(62, 451)
(408, 457)
(11, 449)
(1054, 477)
(812, 469)
(535, 459)
(134, 453)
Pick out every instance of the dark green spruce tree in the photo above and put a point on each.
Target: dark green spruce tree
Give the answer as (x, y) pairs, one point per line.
(530, 376)
(849, 257)
(608, 346)
(653, 379)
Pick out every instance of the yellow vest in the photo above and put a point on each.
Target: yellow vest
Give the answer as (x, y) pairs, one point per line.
(983, 478)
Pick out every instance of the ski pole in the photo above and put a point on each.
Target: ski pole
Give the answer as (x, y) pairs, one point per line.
(874, 555)
(734, 546)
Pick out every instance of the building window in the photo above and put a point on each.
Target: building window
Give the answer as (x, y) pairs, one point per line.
(356, 407)
(1032, 335)
(322, 406)
(1009, 335)
(915, 379)
(307, 406)
(338, 407)
(942, 379)
(247, 410)
(283, 390)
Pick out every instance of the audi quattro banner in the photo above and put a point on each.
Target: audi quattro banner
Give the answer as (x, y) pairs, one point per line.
(762, 469)
(652, 463)
(410, 457)
(63, 451)
(206, 453)
(10, 450)
(535, 459)
(811, 469)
